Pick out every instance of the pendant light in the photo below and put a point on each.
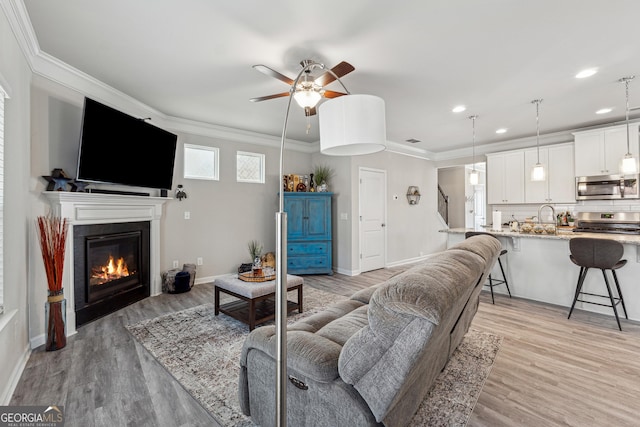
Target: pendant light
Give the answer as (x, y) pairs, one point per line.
(474, 176)
(629, 164)
(537, 172)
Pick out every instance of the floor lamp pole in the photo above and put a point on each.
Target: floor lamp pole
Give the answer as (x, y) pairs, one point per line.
(281, 273)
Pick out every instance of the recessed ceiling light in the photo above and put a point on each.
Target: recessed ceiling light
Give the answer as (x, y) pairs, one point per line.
(603, 111)
(586, 73)
(501, 130)
(459, 109)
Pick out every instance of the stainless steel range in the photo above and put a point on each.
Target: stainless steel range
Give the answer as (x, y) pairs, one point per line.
(608, 222)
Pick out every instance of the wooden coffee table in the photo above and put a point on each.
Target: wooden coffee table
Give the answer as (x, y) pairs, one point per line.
(256, 300)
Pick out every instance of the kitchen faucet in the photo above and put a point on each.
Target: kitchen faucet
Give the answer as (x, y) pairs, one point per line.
(553, 213)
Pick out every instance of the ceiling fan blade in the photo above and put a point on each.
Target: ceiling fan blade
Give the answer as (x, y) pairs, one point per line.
(264, 98)
(273, 73)
(340, 70)
(309, 111)
(332, 94)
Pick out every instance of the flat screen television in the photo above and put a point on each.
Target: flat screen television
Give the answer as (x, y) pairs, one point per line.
(117, 148)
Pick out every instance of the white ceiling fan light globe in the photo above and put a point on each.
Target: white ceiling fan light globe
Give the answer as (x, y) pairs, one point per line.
(307, 98)
(352, 125)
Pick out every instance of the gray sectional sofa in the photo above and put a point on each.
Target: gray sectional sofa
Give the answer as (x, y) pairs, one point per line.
(371, 359)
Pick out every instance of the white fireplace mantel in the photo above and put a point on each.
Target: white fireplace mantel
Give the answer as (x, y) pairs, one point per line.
(93, 208)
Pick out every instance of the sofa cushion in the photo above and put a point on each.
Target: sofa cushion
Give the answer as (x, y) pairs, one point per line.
(314, 344)
(429, 289)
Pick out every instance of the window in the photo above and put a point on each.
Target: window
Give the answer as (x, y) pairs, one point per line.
(201, 162)
(250, 167)
(3, 95)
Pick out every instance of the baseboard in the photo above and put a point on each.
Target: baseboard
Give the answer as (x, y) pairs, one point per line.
(346, 272)
(7, 393)
(407, 261)
(208, 279)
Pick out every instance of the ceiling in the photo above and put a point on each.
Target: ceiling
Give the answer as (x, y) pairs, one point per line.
(193, 59)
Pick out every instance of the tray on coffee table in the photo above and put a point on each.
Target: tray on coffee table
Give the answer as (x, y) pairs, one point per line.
(250, 276)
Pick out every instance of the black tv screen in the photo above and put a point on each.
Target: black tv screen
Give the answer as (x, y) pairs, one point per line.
(117, 148)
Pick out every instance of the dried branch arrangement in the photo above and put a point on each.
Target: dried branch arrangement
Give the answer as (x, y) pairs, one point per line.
(53, 236)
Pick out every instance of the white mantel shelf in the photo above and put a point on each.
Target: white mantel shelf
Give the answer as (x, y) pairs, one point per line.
(97, 208)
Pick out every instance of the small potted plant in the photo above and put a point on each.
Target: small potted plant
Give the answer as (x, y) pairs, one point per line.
(321, 176)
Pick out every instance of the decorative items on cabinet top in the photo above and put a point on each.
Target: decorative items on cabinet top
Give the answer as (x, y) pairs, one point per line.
(318, 181)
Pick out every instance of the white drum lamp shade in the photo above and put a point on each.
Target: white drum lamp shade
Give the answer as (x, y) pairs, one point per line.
(352, 125)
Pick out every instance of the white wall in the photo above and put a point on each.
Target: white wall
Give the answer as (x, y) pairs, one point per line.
(14, 350)
(412, 231)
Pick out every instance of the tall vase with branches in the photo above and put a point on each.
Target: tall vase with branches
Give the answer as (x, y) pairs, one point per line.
(52, 232)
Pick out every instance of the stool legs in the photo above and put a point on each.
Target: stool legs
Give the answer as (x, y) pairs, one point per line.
(613, 303)
(615, 279)
(498, 282)
(582, 275)
(504, 277)
(491, 289)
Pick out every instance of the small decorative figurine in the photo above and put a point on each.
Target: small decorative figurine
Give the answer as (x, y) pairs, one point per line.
(180, 193)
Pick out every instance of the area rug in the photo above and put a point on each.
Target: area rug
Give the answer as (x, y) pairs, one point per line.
(202, 352)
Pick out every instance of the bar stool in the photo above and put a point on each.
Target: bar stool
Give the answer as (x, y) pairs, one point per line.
(604, 254)
(493, 282)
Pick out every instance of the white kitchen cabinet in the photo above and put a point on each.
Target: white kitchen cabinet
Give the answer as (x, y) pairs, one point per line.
(600, 151)
(559, 186)
(505, 177)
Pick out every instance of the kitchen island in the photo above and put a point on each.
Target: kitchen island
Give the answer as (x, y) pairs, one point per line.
(538, 268)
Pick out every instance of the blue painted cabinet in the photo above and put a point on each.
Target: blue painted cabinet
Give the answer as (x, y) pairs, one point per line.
(308, 233)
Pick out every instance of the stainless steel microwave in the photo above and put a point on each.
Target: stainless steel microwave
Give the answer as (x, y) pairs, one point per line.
(607, 187)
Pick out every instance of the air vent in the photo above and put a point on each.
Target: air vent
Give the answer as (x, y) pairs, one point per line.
(412, 140)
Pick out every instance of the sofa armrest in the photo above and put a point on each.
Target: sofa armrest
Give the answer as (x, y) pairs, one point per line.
(308, 353)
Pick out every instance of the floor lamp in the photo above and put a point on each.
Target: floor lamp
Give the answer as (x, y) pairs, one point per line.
(349, 125)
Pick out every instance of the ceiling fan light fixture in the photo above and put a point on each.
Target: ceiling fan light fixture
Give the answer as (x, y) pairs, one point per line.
(307, 98)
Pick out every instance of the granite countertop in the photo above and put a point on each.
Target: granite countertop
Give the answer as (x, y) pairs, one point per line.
(561, 234)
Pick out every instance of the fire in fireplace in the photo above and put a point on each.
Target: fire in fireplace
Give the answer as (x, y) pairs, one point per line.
(111, 267)
(112, 270)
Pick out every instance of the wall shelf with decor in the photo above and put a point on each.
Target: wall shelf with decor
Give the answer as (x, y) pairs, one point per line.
(308, 232)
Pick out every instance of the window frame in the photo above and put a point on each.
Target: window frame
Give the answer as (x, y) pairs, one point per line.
(211, 166)
(261, 178)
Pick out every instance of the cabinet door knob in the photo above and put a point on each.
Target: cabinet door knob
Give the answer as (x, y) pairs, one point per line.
(383, 224)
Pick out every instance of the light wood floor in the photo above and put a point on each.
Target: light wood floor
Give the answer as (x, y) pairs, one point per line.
(550, 371)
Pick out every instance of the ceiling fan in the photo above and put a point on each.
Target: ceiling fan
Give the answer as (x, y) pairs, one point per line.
(308, 91)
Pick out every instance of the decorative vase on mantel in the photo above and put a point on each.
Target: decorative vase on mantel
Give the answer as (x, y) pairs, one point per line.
(52, 232)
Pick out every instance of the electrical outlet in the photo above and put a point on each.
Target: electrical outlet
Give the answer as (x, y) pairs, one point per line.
(187, 215)
(199, 261)
(175, 263)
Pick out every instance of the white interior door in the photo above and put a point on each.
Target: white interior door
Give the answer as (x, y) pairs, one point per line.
(373, 237)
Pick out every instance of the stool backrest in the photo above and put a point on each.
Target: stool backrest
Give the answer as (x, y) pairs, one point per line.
(595, 253)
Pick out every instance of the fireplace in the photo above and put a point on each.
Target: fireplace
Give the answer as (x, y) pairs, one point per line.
(111, 267)
(102, 209)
